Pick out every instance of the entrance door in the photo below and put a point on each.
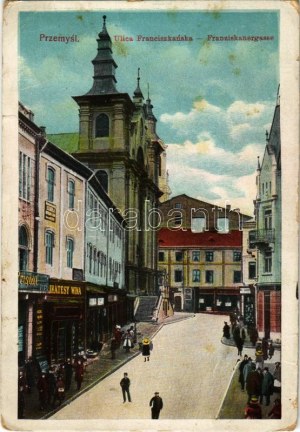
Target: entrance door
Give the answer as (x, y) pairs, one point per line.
(178, 303)
(267, 315)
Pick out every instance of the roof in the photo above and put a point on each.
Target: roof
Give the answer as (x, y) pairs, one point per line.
(209, 239)
(66, 141)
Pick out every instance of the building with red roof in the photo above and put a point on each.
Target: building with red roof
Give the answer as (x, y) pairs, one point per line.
(200, 252)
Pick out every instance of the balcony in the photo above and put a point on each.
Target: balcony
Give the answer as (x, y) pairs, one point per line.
(263, 237)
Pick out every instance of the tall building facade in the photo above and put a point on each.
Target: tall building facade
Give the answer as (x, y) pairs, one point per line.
(118, 140)
(268, 233)
(200, 250)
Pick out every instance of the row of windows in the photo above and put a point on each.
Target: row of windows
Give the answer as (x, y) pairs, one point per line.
(209, 276)
(50, 244)
(97, 264)
(98, 217)
(199, 224)
(209, 256)
(51, 174)
(25, 164)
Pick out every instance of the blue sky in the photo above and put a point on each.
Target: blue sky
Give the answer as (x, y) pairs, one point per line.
(213, 100)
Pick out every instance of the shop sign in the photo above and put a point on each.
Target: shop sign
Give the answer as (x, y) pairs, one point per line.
(112, 298)
(29, 281)
(96, 301)
(50, 212)
(21, 338)
(246, 290)
(39, 330)
(201, 300)
(68, 290)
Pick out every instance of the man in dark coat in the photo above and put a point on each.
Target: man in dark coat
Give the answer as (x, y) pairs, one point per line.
(79, 374)
(51, 381)
(42, 387)
(265, 346)
(241, 369)
(267, 386)
(113, 347)
(30, 374)
(226, 330)
(125, 384)
(253, 383)
(156, 404)
(21, 397)
(68, 374)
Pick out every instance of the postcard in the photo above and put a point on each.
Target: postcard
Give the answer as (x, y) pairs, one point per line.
(150, 215)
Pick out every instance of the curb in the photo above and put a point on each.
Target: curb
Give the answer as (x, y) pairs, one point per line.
(227, 389)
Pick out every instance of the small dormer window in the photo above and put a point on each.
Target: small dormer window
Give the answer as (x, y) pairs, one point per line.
(102, 126)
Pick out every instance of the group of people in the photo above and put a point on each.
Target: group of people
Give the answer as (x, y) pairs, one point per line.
(156, 402)
(128, 340)
(260, 384)
(51, 385)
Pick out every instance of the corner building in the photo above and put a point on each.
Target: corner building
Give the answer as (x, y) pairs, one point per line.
(268, 234)
(118, 140)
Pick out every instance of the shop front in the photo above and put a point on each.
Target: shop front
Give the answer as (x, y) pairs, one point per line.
(217, 300)
(33, 288)
(64, 317)
(96, 299)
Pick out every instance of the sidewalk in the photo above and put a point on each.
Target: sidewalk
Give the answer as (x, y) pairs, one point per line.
(235, 400)
(100, 367)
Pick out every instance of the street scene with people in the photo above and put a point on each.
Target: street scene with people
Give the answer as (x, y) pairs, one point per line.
(149, 271)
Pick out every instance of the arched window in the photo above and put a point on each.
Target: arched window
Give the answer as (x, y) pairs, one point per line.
(71, 192)
(23, 249)
(102, 126)
(49, 243)
(50, 181)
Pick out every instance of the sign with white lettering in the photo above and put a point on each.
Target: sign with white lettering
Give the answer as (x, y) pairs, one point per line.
(50, 211)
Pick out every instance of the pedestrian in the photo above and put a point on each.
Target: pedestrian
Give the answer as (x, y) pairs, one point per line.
(271, 350)
(22, 387)
(60, 390)
(118, 335)
(236, 334)
(241, 370)
(259, 357)
(125, 384)
(253, 383)
(30, 374)
(264, 347)
(146, 349)
(277, 378)
(239, 344)
(247, 369)
(42, 387)
(226, 330)
(277, 371)
(68, 374)
(253, 409)
(127, 344)
(51, 382)
(243, 333)
(275, 412)
(253, 334)
(156, 404)
(113, 348)
(79, 374)
(267, 386)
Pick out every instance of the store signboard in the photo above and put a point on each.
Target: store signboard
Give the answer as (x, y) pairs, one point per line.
(29, 281)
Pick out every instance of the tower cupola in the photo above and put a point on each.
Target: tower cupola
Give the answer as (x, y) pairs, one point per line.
(138, 96)
(104, 65)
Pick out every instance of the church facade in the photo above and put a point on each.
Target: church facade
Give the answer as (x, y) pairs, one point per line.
(118, 141)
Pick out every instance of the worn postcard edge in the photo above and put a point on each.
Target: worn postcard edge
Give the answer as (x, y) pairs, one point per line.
(289, 81)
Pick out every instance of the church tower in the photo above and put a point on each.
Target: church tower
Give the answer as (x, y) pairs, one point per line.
(115, 143)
